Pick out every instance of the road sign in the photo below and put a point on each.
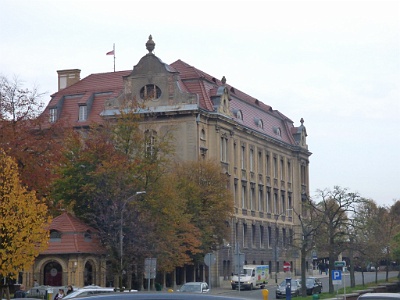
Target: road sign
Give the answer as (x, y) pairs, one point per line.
(314, 254)
(336, 277)
(209, 259)
(150, 268)
(340, 264)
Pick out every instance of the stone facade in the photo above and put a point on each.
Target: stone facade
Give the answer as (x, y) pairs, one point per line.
(263, 154)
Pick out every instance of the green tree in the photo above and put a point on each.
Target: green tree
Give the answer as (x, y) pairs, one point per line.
(23, 221)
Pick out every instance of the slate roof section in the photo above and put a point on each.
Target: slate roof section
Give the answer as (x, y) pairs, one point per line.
(73, 240)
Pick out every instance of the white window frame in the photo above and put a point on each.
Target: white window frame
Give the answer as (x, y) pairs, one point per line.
(82, 113)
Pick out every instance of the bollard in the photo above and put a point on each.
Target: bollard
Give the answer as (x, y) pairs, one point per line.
(265, 293)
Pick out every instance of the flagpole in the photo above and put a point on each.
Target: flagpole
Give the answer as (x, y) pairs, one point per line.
(114, 55)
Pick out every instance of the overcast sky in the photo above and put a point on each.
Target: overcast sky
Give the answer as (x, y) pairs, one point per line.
(334, 63)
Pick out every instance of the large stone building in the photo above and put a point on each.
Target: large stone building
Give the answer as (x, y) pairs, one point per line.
(264, 155)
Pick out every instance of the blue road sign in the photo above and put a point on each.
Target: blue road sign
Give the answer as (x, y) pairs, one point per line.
(336, 275)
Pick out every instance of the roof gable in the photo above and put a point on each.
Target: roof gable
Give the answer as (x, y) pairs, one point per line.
(76, 236)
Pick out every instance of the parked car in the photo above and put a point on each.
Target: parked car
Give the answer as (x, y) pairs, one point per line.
(313, 285)
(194, 287)
(281, 289)
(379, 296)
(162, 296)
(88, 291)
(371, 268)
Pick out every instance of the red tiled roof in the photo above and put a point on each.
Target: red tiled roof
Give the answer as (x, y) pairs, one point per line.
(103, 86)
(73, 239)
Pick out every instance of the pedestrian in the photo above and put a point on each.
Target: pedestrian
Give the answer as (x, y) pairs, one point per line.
(70, 289)
(21, 292)
(59, 295)
(326, 268)
(35, 283)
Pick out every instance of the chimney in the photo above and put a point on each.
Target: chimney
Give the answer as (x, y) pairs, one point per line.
(68, 77)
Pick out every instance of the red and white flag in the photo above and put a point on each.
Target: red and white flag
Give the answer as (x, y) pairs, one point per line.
(110, 53)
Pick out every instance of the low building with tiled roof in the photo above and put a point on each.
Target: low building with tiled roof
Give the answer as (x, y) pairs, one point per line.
(263, 153)
(75, 255)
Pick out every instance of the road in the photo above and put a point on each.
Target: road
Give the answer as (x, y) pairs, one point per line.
(256, 293)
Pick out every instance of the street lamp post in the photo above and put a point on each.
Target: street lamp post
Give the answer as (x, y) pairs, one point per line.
(121, 234)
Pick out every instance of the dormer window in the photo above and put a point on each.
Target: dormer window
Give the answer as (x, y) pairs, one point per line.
(259, 123)
(53, 115)
(55, 236)
(277, 131)
(88, 236)
(82, 113)
(238, 114)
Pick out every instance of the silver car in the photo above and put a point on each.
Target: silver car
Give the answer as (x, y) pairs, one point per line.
(194, 287)
(281, 288)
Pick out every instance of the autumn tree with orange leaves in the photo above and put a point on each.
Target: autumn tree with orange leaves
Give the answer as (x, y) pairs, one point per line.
(22, 136)
(23, 222)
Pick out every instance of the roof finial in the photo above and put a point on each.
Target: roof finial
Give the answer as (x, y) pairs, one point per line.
(150, 44)
(301, 121)
(223, 80)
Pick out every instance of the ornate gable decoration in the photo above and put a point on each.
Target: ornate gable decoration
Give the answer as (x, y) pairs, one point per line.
(223, 93)
(300, 135)
(154, 85)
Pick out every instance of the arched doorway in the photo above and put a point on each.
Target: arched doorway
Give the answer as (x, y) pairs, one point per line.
(53, 274)
(89, 273)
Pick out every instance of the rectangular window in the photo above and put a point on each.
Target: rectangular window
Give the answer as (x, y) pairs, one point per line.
(252, 199)
(276, 204)
(82, 113)
(275, 166)
(251, 160)
(243, 196)
(267, 165)
(243, 158)
(269, 206)
(150, 143)
(289, 172)
(283, 204)
(244, 235)
(235, 157)
(262, 236)
(235, 193)
(303, 175)
(53, 115)
(224, 149)
(260, 199)
(253, 235)
(282, 169)
(260, 163)
(269, 237)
